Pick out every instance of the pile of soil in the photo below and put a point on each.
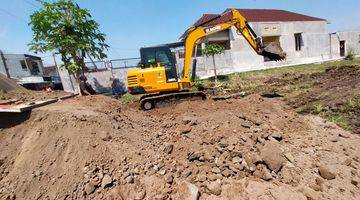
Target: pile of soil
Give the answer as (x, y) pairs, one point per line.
(24, 95)
(251, 148)
(7, 84)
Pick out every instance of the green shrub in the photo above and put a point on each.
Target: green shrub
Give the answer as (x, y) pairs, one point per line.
(350, 54)
(128, 98)
(199, 84)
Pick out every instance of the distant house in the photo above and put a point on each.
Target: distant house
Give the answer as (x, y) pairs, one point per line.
(25, 69)
(304, 38)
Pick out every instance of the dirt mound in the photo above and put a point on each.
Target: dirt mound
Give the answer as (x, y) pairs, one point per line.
(7, 84)
(24, 95)
(327, 87)
(96, 148)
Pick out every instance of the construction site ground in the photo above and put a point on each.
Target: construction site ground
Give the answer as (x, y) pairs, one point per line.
(254, 147)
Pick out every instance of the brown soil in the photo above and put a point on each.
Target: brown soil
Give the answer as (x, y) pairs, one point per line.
(324, 88)
(326, 93)
(251, 148)
(24, 95)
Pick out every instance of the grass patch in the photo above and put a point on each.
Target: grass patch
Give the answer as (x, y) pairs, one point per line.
(351, 106)
(128, 98)
(341, 121)
(253, 80)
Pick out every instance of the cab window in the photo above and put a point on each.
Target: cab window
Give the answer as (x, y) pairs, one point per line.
(161, 57)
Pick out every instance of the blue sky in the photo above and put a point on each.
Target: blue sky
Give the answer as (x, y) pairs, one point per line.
(131, 24)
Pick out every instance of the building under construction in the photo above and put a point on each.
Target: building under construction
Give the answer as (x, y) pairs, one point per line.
(305, 39)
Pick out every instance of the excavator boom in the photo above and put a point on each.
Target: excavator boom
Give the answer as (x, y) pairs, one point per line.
(223, 22)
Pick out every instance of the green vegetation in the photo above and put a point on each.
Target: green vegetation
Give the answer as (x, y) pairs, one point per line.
(64, 28)
(198, 84)
(350, 54)
(128, 98)
(253, 80)
(212, 50)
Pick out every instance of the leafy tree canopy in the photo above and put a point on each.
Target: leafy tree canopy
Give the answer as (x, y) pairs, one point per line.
(63, 27)
(213, 49)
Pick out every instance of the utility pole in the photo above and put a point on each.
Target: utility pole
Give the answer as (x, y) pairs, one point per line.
(53, 55)
(5, 64)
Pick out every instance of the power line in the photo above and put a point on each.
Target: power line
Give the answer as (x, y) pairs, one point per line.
(123, 49)
(30, 3)
(13, 15)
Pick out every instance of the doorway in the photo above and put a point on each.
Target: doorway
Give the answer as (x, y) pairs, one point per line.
(270, 39)
(342, 48)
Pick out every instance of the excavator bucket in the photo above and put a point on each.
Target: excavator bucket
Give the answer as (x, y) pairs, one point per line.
(274, 51)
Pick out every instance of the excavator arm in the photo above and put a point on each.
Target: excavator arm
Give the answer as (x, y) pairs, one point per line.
(229, 19)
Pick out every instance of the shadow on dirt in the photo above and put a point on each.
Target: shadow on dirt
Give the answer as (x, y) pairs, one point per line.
(8, 120)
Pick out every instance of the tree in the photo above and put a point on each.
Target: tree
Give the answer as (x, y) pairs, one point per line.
(65, 28)
(212, 50)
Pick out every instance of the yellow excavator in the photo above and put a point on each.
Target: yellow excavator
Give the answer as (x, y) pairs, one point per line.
(158, 78)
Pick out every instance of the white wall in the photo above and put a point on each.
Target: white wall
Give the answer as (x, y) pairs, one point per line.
(100, 81)
(14, 66)
(352, 41)
(316, 48)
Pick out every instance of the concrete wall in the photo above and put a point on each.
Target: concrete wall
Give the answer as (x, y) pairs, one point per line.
(101, 81)
(352, 41)
(14, 66)
(68, 81)
(318, 45)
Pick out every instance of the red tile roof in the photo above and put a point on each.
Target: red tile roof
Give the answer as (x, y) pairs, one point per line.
(258, 15)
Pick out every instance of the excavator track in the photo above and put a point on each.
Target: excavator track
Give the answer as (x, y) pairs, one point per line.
(149, 102)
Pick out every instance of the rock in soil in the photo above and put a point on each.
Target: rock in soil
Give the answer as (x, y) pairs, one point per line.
(106, 181)
(355, 181)
(262, 172)
(138, 164)
(326, 173)
(168, 148)
(169, 179)
(310, 193)
(89, 188)
(185, 129)
(272, 155)
(187, 191)
(214, 187)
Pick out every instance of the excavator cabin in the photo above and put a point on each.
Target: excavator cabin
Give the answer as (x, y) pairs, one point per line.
(158, 64)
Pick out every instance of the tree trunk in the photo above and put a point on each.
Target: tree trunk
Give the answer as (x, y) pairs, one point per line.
(78, 62)
(77, 78)
(213, 58)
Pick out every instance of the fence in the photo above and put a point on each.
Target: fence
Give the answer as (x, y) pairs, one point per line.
(102, 75)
